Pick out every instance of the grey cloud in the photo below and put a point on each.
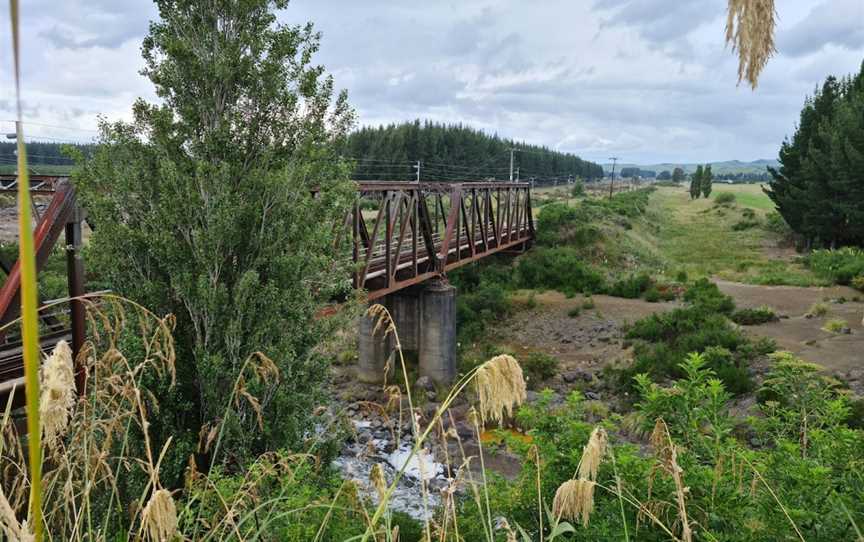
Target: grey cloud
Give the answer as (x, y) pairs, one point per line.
(835, 22)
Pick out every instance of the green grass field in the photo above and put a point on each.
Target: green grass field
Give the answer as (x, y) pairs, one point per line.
(699, 237)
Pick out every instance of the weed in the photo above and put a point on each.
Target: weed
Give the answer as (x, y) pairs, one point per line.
(836, 325)
(631, 287)
(818, 309)
(588, 303)
(574, 312)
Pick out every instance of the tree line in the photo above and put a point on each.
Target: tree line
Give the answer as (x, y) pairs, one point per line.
(43, 152)
(819, 186)
(454, 152)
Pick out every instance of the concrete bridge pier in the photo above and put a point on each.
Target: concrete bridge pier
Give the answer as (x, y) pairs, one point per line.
(425, 318)
(437, 355)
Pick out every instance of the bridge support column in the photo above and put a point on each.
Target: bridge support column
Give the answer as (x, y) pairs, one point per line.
(373, 349)
(405, 308)
(437, 348)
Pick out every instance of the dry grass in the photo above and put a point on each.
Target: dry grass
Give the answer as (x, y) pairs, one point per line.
(501, 387)
(750, 30)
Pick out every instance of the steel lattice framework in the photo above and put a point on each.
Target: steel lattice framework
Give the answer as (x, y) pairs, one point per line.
(406, 233)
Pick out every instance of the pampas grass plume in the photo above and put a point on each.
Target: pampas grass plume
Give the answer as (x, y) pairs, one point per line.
(159, 517)
(501, 387)
(592, 454)
(574, 501)
(58, 393)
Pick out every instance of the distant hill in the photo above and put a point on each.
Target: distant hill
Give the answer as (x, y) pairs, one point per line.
(731, 167)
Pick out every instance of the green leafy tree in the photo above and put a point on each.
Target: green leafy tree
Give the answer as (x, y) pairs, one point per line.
(664, 176)
(696, 182)
(706, 181)
(205, 209)
(678, 175)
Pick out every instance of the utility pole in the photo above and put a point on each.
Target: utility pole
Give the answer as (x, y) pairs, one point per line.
(612, 180)
(511, 163)
(517, 174)
(417, 167)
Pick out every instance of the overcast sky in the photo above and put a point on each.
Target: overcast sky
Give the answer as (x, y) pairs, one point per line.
(645, 80)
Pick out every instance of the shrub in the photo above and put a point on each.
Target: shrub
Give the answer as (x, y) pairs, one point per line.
(559, 224)
(752, 317)
(631, 287)
(704, 293)
(652, 295)
(574, 312)
(578, 189)
(681, 276)
(560, 268)
(539, 367)
(664, 339)
(724, 198)
(836, 325)
(819, 309)
(858, 283)
(745, 224)
(588, 303)
(840, 265)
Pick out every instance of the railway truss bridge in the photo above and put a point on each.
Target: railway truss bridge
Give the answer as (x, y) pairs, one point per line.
(403, 238)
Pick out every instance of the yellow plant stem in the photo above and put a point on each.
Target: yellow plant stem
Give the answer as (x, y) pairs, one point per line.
(29, 326)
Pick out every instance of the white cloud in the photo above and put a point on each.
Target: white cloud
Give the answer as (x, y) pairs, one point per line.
(649, 80)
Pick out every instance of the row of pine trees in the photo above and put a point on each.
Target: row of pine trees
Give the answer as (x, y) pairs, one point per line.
(819, 186)
(453, 152)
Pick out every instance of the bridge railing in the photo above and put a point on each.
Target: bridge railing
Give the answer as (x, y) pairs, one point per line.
(405, 233)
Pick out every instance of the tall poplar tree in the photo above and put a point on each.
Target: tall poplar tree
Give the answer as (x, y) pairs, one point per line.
(205, 209)
(696, 183)
(706, 181)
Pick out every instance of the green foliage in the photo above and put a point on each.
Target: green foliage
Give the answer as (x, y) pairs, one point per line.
(706, 295)
(693, 407)
(696, 182)
(559, 224)
(840, 265)
(754, 316)
(835, 325)
(706, 181)
(561, 268)
(205, 210)
(578, 189)
(677, 175)
(817, 187)
(630, 204)
(538, 367)
(664, 339)
(483, 297)
(588, 303)
(797, 398)
(304, 500)
(631, 287)
(724, 198)
(574, 312)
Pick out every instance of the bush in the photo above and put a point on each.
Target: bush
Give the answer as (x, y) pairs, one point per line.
(578, 189)
(483, 298)
(559, 224)
(538, 367)
(836, 325)
(752, 317)
(818, 309)
(574, 312)
(588, 303)
(839, 266)
(704, 293)
(664, 339)
(652, 295)
(681, 276)
(724, 198)
(560, 268)
(858, 283)
(631, 287)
